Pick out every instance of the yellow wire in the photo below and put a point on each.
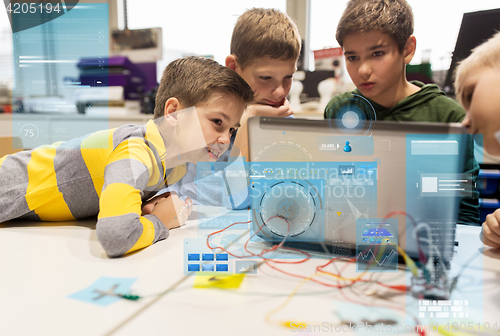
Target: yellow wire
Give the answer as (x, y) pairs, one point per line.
(281, 306)
(289, 298)
(409, 262)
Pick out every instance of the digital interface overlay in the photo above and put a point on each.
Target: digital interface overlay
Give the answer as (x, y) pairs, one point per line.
(49, 59)
(376, 245)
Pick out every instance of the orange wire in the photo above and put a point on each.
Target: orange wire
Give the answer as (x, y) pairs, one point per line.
(264, 251)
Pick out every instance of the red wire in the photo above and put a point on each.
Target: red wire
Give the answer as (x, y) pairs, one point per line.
(318, 268)
(221, 248)
(264, 251)
(308, 256)
(421, 331)
(275, 247)
(303, 277)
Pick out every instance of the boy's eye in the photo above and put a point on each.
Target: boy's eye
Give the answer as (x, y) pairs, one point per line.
(378, 53)
(218, 122)
(265, 77)
(351, 58)
(467, 99)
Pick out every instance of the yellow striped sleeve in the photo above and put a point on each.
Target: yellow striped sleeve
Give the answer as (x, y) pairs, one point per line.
(95, 150)
(119, 199)
(2, 159)
(147, 237)
(136, 149)
(120, 202)
(154, 136)
(176, 174)
(43, 182)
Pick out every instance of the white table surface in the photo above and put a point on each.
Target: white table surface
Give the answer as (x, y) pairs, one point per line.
(41, 264)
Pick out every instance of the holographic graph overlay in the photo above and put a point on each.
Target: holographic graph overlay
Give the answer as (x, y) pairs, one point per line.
(245, 266)
(376, 258)
(443, 309)
(376, 245)
(346, 145)
(199, 259)
(288, 208)
(333, 173)
(434, 147)
(47, 73)
(222, 183)
(300, 192)
(224, 221)
(284, 151)
(351, 116)
(446, 185)
(175, 129)
(480, 154)
(434, 168)
(349, 197)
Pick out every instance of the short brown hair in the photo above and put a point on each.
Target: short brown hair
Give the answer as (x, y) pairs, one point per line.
(261, 32)
(391, 17)
(486, 55)
(193, 80)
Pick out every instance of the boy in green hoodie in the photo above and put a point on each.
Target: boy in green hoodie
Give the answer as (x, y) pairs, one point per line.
(376, 37)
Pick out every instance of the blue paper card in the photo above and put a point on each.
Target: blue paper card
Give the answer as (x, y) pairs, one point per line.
(102, 290)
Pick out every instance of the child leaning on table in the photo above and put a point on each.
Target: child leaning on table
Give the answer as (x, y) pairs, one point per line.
(376, 37)
(113, 173)
(265, 47)
(477, 87)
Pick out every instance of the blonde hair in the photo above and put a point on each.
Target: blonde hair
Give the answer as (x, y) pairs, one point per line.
(485, 55)
(261, 32)
(391, 17)
(193, 80)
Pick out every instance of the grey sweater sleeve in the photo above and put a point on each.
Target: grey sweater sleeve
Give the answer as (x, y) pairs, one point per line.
(117, 235)
(120, 227)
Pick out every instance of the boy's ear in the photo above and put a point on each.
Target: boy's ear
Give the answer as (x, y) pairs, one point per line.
(231, 62)
(172, 105)
(410, 48)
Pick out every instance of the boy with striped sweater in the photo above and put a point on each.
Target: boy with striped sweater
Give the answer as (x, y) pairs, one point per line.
(114, 173)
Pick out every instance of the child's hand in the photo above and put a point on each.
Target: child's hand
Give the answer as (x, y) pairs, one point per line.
(240, 146)
(270, 111)
(491, 229)
(170, 210)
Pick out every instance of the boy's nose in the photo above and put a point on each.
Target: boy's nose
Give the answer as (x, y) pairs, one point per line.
(279, 92)
(224, 138)
(365, 71)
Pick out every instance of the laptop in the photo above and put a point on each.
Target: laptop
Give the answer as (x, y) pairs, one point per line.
(353, 191)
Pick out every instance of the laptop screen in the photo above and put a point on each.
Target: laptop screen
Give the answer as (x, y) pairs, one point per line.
(386, 184)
